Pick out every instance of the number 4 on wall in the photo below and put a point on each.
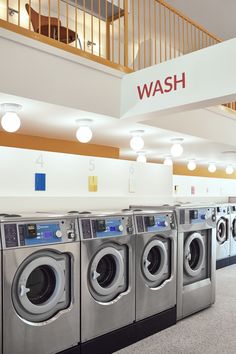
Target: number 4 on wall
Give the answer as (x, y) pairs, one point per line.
(40, 160)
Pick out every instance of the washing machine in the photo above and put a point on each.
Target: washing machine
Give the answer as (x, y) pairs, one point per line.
(232, 253)
(222, 235)
(107, 273)
(40, 275)
(156, 259)
(196, 259)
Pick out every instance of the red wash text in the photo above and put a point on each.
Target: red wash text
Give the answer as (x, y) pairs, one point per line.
(170, 83)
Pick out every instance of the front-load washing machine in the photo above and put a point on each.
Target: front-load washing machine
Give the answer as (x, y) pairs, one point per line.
(156, 259)
(107, 273)
(40, 297)
(196, 259)
(232, 253)
(222, 235)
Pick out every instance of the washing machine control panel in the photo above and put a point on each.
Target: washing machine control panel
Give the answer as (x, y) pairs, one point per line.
(223, 209)
(155, 222)
(197, 216)
(106, 227)
(35, 233)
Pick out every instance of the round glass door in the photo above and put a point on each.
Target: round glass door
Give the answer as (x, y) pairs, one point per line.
(194, 254)
(106, 269)
(39, 286)
(106, 272)
(154, 260)
(234, 229)
(221, 231)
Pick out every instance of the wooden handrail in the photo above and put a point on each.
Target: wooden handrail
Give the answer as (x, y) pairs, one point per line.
(189, 20)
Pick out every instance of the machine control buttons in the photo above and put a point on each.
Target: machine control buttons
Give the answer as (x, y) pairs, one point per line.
(149, 221)
(182, 216)
(71, 234)
(121, 228)
(140, 225)
(58, 233)
(86, 228)
(129, 230)
(193, 214)
(213, 218)
(11, 235)
(172, 225)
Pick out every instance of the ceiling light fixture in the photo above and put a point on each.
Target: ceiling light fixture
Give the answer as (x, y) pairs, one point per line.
(141, 157)
(136, 142)
(229, 170)
(168, 161)
(84, 133)
(10, 120)
(212, 167)
(191, 165)
(176, 149)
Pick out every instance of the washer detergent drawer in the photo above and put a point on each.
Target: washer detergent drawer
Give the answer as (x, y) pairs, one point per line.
(197, 296)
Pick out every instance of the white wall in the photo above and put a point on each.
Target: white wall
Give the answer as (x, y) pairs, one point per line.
(203, 187)
(44, 73)
(120, 183)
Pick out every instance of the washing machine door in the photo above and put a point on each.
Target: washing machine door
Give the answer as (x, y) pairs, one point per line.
(194, 254)
(154, 261)
(234, 229)
(221, 230)
(106, 273)
(39, 288)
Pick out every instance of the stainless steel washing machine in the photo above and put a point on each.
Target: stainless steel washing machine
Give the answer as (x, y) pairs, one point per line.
(222, 235)
(156, 259)
(196, 259)
(41, 273)
(107, 273)
(232, 251)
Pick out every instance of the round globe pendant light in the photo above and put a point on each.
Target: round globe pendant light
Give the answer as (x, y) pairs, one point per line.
(212, 167)
(168, 161)
(10, 121)
(84, 133)
(136, 142)
(141, 157)
(229, 170)
(192, 165)
(176, 149)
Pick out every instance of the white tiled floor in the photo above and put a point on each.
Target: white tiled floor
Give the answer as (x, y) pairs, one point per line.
(212, 331)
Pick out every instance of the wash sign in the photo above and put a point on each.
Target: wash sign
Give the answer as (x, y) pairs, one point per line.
(159, 87)
(196, 80)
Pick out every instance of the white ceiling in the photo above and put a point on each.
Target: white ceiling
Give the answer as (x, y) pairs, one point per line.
(47, 120)
(217, 16)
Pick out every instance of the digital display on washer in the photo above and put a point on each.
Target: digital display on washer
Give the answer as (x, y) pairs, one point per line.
(156, 223)
(108, 227)
(36, 234)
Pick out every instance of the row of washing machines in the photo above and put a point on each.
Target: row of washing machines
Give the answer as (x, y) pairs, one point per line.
(225, 235)
(95, 282)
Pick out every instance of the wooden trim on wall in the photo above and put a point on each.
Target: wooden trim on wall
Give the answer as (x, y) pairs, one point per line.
(57, 145)
(201, 172)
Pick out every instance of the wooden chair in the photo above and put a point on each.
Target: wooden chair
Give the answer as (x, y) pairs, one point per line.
(52, 28)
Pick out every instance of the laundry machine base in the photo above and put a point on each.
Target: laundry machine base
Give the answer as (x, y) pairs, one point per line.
(225, 262)
(123, 337)
(73, 350)
(232, 260)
